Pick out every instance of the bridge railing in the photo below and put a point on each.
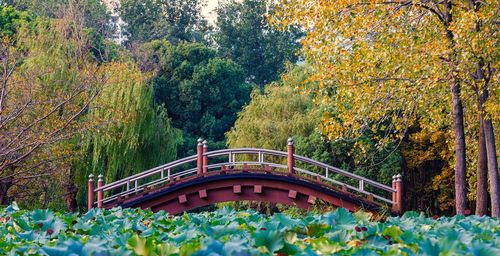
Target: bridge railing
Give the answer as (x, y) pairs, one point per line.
(266, 158)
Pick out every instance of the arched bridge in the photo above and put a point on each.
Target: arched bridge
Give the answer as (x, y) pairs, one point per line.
(245, 174)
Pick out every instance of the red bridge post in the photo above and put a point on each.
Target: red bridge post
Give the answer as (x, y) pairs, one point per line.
(394, 193)
(100, 184)
(397, 197)
(205, 158)
(199, 160)
(291, 160)
(90, 200)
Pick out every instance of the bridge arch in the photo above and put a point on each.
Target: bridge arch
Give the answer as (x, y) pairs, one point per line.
(175, 188)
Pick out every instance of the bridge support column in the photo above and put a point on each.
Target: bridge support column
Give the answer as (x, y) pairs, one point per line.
(291, 160)
(205, 158)
(90, 193)
(397, 197)
(100, 184)
(199, 160)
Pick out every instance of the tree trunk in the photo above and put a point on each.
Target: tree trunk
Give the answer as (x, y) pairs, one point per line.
(482, 173)
(460, 164)
(492, 168)
(4, 189)
(70, 192)
(457, 116)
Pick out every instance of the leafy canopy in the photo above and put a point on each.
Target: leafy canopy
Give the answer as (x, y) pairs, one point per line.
(383, 65)
(170, 20)
(281, 112)
(201, 92)
(244, 35)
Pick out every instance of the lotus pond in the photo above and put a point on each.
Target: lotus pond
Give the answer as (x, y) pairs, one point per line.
(229, 232)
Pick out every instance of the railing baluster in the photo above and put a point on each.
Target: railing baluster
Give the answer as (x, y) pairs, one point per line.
(135, 184)
(362, 185)
(326, 172)
(168, 174)
(128, 185)
(162, 174)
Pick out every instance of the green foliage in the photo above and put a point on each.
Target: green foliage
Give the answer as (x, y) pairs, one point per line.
(244, 35)
(171, 20)
(95, 14)
(229, 232)
(101, 49)
(10, 20)
(201, 93)
(271, 118)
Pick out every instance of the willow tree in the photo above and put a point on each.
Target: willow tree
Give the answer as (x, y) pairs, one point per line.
(400, 61)
(274, 115)
(131, 135)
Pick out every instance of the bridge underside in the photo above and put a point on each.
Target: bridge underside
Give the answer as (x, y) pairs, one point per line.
(195, 192)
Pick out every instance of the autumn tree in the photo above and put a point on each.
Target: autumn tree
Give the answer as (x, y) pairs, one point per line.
(403, 61)
(48, 82)
(72, 104)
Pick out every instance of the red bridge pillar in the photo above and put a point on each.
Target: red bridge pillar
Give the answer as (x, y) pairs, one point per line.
(397, 197)
(100, 184)
(90, 200)
(199, 160)
(291, 160)
(205, 158)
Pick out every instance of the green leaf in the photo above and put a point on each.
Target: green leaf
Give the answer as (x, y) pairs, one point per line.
(272, 240)
(393, 231)
(363, 217)
(140, 246)
(165, 249)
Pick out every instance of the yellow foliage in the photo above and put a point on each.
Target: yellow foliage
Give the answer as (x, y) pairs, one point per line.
(388, 65)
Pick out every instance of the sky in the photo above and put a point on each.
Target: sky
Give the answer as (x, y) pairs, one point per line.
(211, 4)
(207, 11)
